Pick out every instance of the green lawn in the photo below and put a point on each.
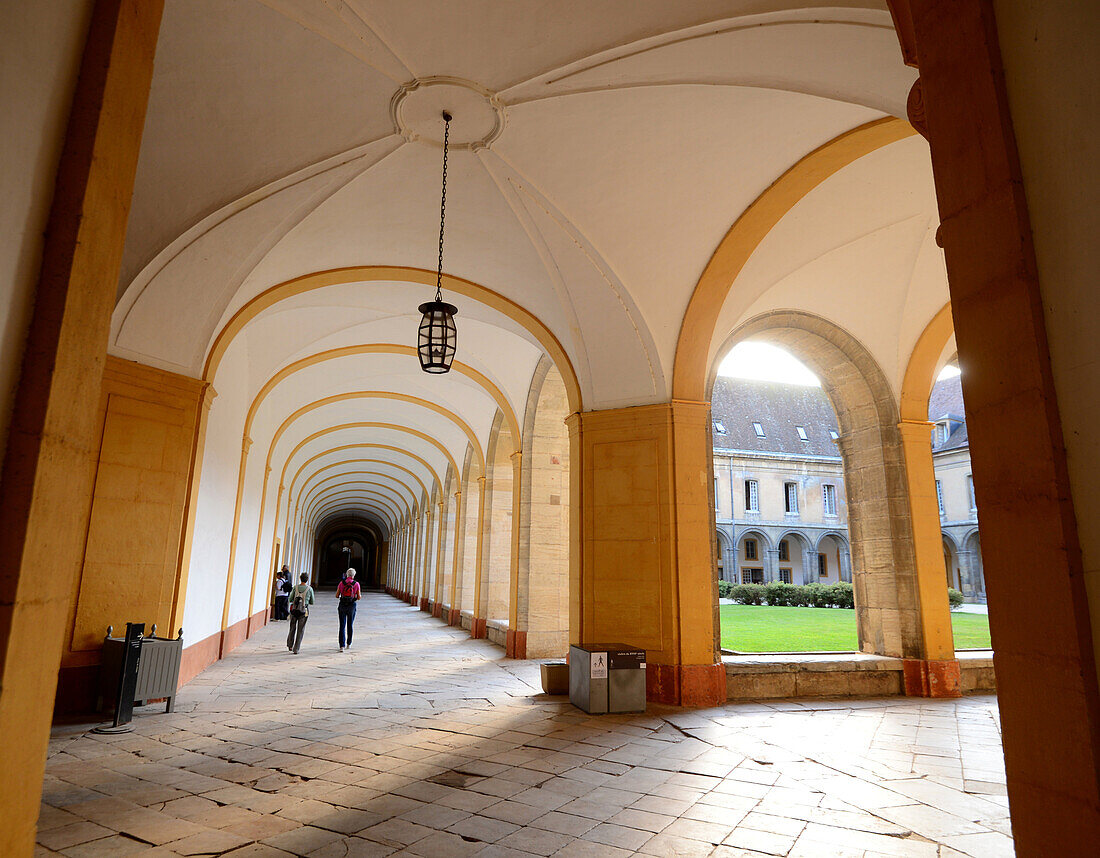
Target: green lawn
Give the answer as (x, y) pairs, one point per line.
(761, 628)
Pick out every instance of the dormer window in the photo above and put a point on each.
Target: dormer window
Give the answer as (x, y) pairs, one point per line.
(758, 429)
(801, 433)
(720, 427)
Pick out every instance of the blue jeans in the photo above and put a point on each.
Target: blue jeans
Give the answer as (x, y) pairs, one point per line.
(347, 619)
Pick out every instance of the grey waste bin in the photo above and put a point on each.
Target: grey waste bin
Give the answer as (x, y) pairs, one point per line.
(607, 678)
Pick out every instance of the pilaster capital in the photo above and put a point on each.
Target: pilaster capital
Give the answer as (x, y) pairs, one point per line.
(481, 482)
(246, 443)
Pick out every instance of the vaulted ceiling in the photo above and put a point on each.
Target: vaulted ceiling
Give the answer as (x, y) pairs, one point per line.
(601, 151)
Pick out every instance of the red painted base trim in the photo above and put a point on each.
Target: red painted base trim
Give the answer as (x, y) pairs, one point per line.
(454, 617)
(686, 684)
(477, 628)
(233, 637)
(199, 656)
(515, 644)
(437, 609)
(257, 621)
(424, 604)
(931, 678)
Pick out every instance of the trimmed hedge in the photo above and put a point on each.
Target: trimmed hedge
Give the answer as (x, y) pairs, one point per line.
(783, 595)
(780, 595)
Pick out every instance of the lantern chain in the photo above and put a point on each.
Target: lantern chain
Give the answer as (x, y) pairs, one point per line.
(442, 207)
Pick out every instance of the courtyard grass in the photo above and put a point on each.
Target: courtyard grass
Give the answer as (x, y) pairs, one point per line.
(762, 628)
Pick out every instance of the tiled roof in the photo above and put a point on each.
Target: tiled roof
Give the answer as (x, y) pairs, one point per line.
(946, 400)
(779, 408)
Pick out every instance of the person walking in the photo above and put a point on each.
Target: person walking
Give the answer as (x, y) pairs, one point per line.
(301, 597)
(348, 592)
(282, 590)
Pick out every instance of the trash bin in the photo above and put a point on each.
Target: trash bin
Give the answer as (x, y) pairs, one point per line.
(137, 668)
(607, 678)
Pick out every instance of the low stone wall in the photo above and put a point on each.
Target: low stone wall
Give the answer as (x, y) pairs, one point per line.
(771, 676)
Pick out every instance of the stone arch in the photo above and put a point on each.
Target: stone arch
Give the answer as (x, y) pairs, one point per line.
(882, 546)
(842, 571)
(764, 552)
(951, 560)
(698, 330)
(542, 597)
(727, 559)
(800, 557)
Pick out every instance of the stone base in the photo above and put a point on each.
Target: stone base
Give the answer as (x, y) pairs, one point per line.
(931, 678)
(515, 645)
(686, 684)
(477, 627)
(454, 617)
(437, 609)
(424, 604)
(775, 676)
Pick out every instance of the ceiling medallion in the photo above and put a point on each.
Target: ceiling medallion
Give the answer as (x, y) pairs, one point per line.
(416, 106)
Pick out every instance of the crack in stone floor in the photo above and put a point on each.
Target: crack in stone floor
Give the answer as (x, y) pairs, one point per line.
(421, 741)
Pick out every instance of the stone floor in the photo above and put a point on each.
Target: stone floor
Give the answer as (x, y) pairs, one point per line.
(419, 741)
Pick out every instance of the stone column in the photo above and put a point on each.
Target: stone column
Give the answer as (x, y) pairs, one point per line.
(770, 559)
(809, 566)
(454, 617)
(477, 622)
(939, 675)
(646, 534)
(845, 564)
(49, 464)
(437, 590)
(515, 638)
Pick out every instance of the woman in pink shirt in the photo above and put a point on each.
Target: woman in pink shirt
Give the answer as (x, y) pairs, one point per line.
(348, 592)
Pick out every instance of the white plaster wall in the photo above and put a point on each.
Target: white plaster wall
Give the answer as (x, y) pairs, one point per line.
(48, 37)
(214, 508)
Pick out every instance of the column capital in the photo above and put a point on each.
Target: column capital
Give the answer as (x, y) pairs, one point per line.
(246, 442)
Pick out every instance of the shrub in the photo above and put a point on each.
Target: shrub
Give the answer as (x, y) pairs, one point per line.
(725, 590)
(954, 597)
(779, 595)
(748, 594)
(840, 595)
(817, 596)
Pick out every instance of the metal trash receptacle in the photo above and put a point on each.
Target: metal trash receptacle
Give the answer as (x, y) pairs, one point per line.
(607, 678)
(626, 680)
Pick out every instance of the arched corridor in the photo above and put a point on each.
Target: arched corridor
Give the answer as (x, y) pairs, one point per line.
(422, 739)
(226, 216)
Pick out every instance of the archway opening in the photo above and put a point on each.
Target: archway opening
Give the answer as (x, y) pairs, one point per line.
(348, 547)
(807, 465)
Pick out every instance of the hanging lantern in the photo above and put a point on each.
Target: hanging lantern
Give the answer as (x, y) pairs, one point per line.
(438, 337)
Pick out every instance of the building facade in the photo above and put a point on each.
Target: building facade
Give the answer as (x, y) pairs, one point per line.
(781, 510)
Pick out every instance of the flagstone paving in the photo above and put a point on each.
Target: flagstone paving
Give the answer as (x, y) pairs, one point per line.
(420, 741)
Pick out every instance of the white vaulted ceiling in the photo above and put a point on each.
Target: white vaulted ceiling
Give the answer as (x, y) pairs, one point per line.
(601, 151)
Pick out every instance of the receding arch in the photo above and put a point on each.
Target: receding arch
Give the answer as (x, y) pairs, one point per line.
(691, 367)
(396, 275)
(347, 463)
(376, 348)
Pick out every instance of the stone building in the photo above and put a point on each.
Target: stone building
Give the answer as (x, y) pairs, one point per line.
(958, 507)
(780, 505)
(221, 216)
(780, 502)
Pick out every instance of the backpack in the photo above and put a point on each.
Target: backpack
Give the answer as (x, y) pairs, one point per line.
(299, 602)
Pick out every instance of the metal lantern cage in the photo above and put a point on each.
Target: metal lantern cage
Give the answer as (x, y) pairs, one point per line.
(438, 338)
